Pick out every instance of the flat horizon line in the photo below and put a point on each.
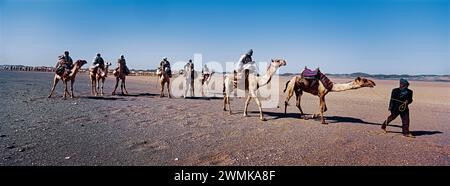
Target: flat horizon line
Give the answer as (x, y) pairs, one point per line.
(282, 74)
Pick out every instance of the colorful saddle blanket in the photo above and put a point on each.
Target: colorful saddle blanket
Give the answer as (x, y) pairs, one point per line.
(311, 80)
(308, 73)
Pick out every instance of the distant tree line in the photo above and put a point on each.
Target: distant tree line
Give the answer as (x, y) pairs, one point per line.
(152, 72)
(133, 72)
(26, 68)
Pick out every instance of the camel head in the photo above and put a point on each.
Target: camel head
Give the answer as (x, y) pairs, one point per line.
(278, 62)
(108, 64)
(158, 71)
(363, 82)
(80, 63)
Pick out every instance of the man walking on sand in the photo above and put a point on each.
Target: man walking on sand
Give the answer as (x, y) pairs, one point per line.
(400, 99)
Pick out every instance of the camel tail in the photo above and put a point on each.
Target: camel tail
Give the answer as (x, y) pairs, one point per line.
(286, 85)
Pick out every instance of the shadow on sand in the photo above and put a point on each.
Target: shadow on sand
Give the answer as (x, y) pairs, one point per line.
(419, 132)
(138, 95)
(276, 115)
(339, 119)
(100, 98)
(343, 119)
(329, 119)
(204, 98)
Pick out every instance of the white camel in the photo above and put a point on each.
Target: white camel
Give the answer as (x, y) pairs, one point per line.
(255, 82)
(188, 74)
(206, 79)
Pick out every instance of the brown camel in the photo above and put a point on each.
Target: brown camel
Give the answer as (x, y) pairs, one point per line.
(164, 79)
(120, 74)
(96, 74)
(67, 77)
(298, 84)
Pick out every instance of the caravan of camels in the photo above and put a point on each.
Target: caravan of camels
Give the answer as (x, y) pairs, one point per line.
(313, 82)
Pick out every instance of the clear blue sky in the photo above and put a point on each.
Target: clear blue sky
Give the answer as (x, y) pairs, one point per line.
(374, 36)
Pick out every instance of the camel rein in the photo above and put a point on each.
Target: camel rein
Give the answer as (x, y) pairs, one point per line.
(402, 106)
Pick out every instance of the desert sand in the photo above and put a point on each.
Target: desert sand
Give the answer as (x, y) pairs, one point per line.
(144, 129)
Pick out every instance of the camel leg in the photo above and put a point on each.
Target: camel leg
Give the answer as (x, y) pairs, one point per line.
(71, 88)
(103, 83)
(290, 93)
(225, 103)
(55, 82)
(92, 90)
(93, 87)
(203, 93)
(186, 87)
(192, 90)
(168, 89)
(299, 106)
(203, 88)
(189, 88)
(121, 86)
(124, 85)
(207, 88)
(68, 93)
(322, 108)
(246, 105)
(299, 99)
(98, 86)
(261, 117)
(229, 104)
(115, 88)
(65, 89)
(162, 89)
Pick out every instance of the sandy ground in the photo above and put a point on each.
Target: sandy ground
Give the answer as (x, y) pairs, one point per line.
(143, 129)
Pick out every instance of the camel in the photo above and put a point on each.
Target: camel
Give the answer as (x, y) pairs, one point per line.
(298, 84)
(164, 79)
(120, 75)
(67, 77)
(205, 82)
(96, 75)
(255, 82)
(189, 81)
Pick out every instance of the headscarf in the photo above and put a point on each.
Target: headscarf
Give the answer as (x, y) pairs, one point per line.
(404, 90)
(404, 81)
(250, 52)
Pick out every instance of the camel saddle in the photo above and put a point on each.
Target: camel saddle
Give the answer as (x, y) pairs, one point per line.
(97, 70)
(62, 72)
(312, 78)
(310, 74)
(101, 72)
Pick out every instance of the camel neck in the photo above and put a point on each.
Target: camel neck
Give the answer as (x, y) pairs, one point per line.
(74, 70)
(338, 87)
(265, 79)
